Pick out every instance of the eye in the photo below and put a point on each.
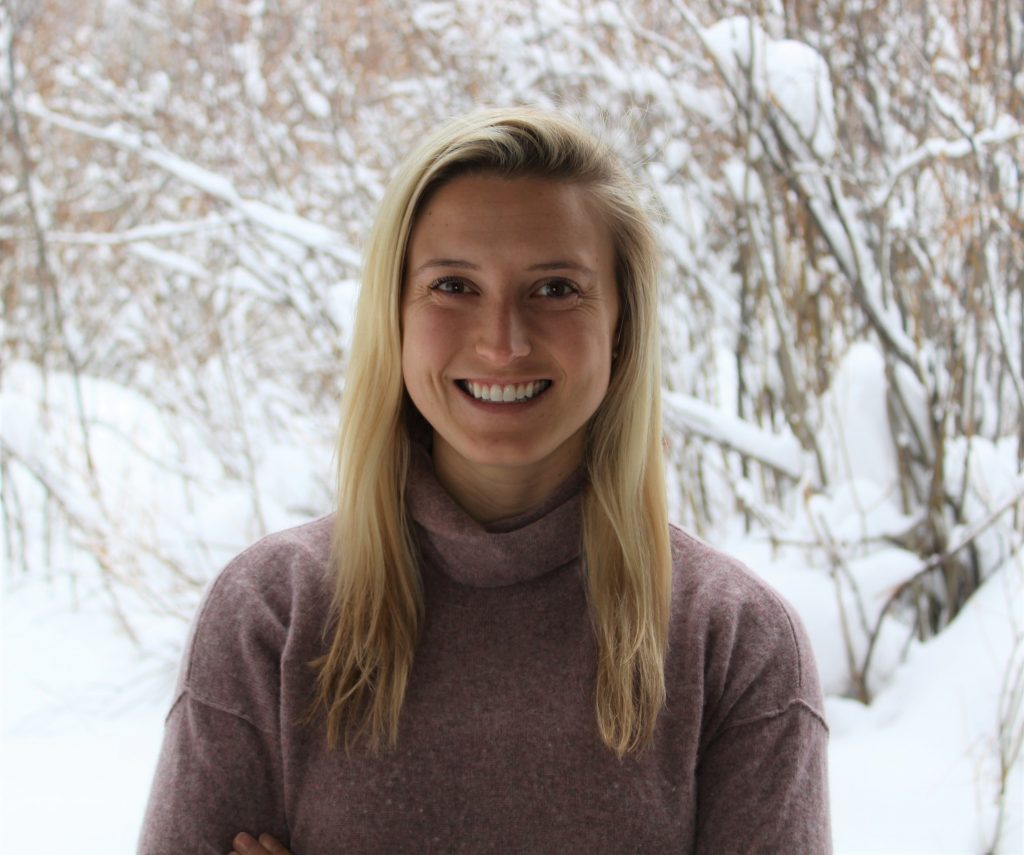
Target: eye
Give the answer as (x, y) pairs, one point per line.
(450, 285)
(557, 288)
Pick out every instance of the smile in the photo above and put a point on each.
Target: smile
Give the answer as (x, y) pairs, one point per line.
(511, 393)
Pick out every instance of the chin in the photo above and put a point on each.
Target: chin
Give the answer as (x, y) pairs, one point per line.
(518, 454)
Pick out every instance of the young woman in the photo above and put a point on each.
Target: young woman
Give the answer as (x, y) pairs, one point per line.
(497, 643)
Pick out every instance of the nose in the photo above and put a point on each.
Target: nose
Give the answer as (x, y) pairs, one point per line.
(503, 333)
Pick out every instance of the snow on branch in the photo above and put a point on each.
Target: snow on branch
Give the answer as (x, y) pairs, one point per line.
(1005, 130)
(842, 231)
(779, 451)
(149, 232)
(173, 262)
(305, 232)
(788, 83)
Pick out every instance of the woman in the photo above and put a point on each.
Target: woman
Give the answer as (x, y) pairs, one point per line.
(497, 643)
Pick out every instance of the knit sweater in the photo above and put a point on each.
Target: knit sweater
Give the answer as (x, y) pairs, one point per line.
(498, 748)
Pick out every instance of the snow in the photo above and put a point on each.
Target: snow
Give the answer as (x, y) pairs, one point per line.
(150, 232)
(300, 229)
(173, 262)
(928, 744)
(433, 16)
(744, 182)
(687, 414)
(187, 511)
(248, 57)
(82, 716)
(790, 74)
(1006, 128)
(316, 103)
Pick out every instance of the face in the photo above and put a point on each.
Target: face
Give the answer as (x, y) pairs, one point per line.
(509, 312)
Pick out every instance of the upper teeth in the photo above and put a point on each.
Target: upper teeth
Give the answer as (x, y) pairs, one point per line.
(512, 392)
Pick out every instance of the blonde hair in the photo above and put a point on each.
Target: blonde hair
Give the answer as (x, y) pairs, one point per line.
(378, 598)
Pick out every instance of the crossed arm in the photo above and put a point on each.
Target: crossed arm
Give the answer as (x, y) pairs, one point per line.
(246, 844)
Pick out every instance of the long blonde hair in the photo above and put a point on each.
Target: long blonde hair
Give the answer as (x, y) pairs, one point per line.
(378, 600)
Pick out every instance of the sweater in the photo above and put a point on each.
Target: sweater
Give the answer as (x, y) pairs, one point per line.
(498, 748)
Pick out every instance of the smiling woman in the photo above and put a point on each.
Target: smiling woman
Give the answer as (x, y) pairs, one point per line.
(497, 642)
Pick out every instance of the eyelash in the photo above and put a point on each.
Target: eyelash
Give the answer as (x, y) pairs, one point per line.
(446, 280)
(438, 285)
(572, 289)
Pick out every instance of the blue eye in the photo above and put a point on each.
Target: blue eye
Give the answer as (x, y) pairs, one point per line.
(557, 288)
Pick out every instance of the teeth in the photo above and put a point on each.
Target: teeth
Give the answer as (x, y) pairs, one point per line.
(505, 394)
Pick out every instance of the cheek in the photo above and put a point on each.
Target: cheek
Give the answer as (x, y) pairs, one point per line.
(426, 345)
(588, 347)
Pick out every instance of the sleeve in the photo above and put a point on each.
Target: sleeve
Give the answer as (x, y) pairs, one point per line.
(217, 775)
(220, 766)
(762, 787)
(762, 780)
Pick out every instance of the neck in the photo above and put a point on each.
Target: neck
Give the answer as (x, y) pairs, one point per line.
(491, 493)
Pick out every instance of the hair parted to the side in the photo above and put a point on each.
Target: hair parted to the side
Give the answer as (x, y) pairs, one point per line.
(378, 601)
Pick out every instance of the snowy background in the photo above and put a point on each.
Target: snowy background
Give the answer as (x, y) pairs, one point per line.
(184, 188)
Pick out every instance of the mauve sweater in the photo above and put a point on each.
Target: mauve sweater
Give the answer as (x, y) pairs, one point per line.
(498, 748)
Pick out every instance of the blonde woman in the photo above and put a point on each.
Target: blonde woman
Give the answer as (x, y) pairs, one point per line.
(497, 643)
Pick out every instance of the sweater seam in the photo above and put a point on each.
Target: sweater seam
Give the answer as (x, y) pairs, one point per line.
(795, 704)
(193, 696)
(189, 694)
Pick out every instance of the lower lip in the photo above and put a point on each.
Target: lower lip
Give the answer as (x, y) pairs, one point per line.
(502, 406)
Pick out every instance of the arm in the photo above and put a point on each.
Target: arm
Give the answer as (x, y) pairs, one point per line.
(762, 786)
(220, 768)
(761, 775)
(246, 844)
(217, 773)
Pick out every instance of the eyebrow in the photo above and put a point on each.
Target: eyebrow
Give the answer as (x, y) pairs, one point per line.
(560, 264)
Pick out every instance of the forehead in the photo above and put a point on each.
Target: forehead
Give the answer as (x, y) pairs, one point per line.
(486, 211)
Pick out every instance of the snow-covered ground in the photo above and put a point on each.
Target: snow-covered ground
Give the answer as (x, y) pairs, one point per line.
(82, 717)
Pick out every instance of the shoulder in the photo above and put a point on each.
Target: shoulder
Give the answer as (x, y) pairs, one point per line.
(250, 613)
(713, 586)
(754, 653)
(274, 567)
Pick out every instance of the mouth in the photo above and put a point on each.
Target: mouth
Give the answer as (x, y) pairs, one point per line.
(510, 393)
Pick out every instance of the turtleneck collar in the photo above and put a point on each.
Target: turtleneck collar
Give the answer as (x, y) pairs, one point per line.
(505, 552)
